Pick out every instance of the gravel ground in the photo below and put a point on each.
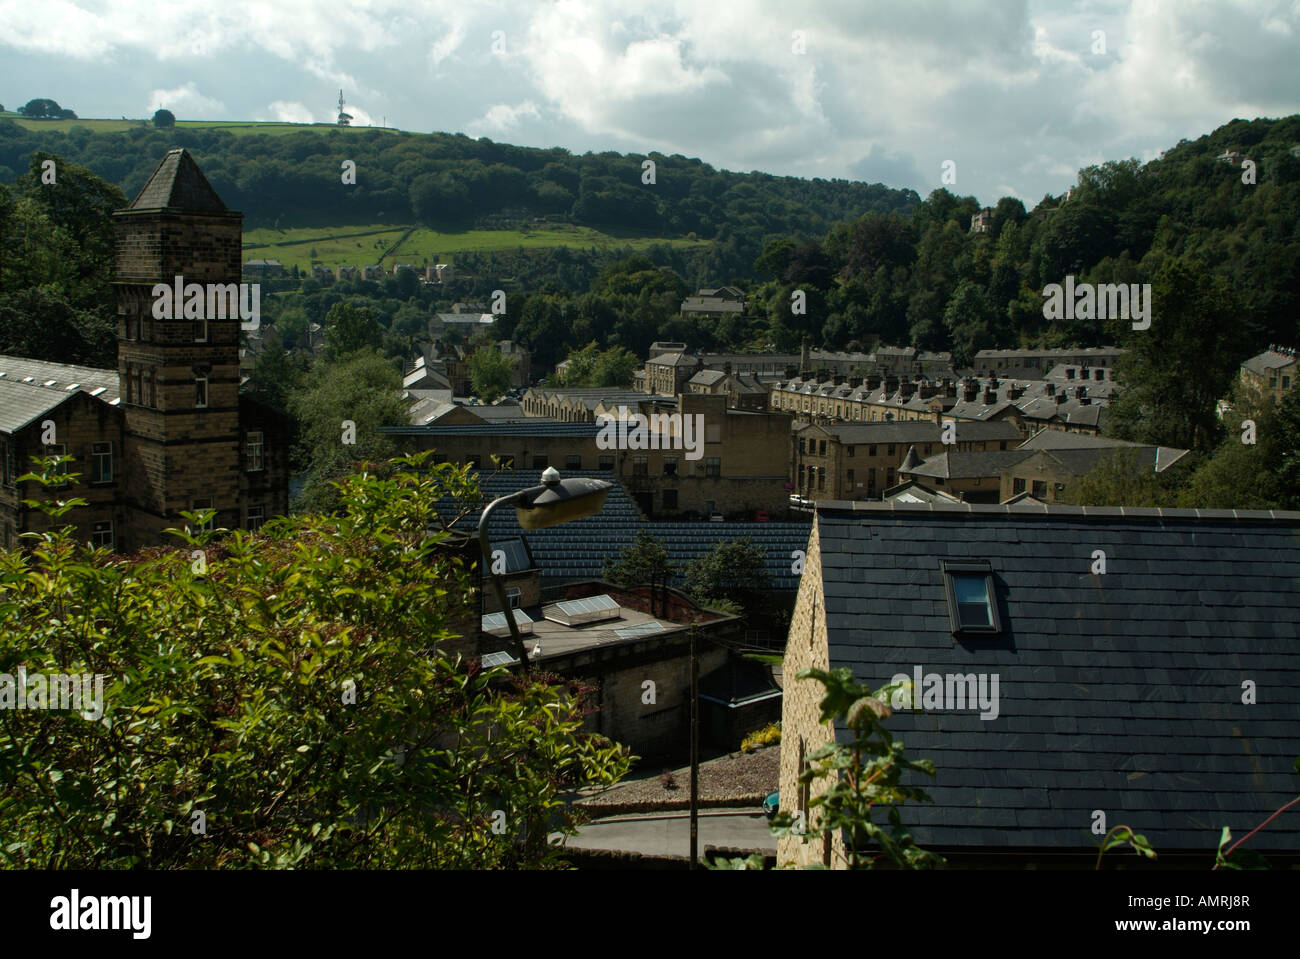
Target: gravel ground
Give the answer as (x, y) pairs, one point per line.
(736, 779)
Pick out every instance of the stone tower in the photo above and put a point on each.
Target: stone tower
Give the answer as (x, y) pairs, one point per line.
(179, 377)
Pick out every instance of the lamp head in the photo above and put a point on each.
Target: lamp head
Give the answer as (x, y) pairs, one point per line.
(560, 500)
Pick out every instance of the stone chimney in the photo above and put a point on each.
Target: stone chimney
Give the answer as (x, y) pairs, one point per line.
(971, 391)
(791, 372)
(908, 389)
(874, 381)
(990, 397)
(804, 362)
(726, 367)
(839, 379)
(928, 390)
(1080, 392)
(1069, 372)
(1051, 389)
(855, 382)
(1061, 397)
(1015, 393)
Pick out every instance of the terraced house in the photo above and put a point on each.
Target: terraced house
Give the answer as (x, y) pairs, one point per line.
(169, 429)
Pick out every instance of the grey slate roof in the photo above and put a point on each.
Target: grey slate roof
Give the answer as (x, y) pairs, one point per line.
(21, 403)
(960, 465)
(1120, 692)
(1266, 361)
(1050, 439)
(532, 426)
(63, 375)
(920, 431)
(178, 182)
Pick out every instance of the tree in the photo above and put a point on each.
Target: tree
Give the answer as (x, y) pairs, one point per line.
(41, 109)
(644, 562)
(969, 318)
(1120, 479)
(289, 702)
(164, 119)
(591, 366)
(362, 389)
(491, 372)
(1194, 314)
(735, 571)
(348, 329)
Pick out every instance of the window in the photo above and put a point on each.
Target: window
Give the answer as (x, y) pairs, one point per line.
(607, 461)
(513, 594)
(871, 478)
(1017, 485)
(822, 448)
(801, 444)
(972, 603)
(892, 451)
(201, 330)
(540, 462)
(253, 450)
(821, 477)
(200, 392)
(1286, 382)
(1040, 489)
(507, 461)
(256, 517)
(101, 534)
(9, 463)
(572, 461)
(850, 450)
(871, 450)
(670, 465)
(640, 465)
(101, 462)
(850, 479)
(889, 477)
(670, 499)
(474, 460)
(713, 466)
(1272, 381)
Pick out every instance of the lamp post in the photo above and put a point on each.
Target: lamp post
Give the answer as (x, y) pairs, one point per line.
(554, 502)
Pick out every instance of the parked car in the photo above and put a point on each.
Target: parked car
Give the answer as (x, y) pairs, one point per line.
(715, 517)
(760, 516)
(771, 804)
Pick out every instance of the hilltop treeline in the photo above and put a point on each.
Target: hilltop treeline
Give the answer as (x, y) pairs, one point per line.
(928, 280)
(452, 181)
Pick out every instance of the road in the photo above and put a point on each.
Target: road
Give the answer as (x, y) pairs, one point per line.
(669, 833)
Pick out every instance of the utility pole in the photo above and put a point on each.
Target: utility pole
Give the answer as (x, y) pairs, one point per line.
(695, 749)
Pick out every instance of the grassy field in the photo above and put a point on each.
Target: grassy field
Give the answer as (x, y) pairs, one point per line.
(237, 127)
(361, 245)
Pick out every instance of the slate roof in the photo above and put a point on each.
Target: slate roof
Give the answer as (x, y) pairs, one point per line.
(1120, 692)
(21, 403)
(63, 375)
(178, 183)
(920, 431)
(532, 426)
(1049, 439)
(577, 550)
(959, 465)
(1270, 360)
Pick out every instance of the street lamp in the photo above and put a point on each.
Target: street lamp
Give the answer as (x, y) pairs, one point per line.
(555, 501)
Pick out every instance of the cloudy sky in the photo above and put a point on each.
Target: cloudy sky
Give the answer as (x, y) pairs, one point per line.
(1019, 94)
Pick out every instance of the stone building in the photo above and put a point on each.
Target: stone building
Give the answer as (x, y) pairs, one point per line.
(168, 430)
(852, 461)
(1271, 373)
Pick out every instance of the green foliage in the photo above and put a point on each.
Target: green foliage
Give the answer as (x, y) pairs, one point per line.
(734, 570)
(164, 119)
(363, 389)
(1119, 479)
(592, 366)
(1194, 313)
(226, 692)
(348, 329)
(769, 735)
(1124, 836)
(491, 372)
(860, 775)
(644, 561)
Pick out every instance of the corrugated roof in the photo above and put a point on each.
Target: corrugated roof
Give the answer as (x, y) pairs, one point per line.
(1120, 692)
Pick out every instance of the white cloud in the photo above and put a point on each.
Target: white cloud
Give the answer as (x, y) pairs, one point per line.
(187, 103)
(502, 118)
(284, 111)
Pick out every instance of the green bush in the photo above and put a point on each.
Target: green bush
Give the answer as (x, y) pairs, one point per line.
(289, 686)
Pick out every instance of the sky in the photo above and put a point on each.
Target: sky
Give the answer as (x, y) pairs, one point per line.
(1012, 97)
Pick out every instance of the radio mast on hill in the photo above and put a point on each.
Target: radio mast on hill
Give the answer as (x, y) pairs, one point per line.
(344, 118)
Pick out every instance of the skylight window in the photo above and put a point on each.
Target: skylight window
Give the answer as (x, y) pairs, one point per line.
(972, 600)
